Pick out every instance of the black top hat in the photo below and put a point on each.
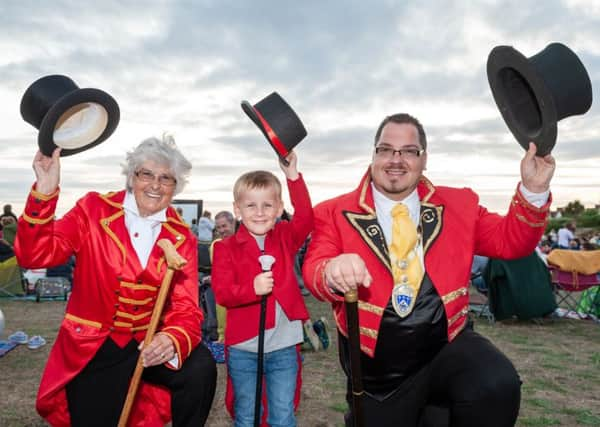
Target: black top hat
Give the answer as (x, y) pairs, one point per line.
(533, 94)
(68, 117)
(278, 122)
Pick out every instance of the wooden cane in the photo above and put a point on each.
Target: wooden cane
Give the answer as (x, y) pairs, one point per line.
(351, 302)
(174, 262)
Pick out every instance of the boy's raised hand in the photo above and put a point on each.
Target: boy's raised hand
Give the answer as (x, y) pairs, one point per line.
(290, 171)
(263, 283)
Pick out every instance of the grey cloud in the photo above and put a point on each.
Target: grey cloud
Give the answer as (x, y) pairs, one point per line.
(180, 65)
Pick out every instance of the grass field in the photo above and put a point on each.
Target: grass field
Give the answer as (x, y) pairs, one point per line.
(558, 360)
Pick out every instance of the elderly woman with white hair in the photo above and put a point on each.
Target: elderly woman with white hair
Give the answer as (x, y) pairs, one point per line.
(118, 271)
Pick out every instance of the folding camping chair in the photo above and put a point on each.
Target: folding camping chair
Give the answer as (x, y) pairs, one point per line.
(572, 273)
(519, 288)
(11, 278)
(479, 303)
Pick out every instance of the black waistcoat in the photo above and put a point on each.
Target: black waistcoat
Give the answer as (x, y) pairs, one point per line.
(404, 345)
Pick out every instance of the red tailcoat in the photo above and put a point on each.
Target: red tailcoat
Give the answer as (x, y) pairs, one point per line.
(454, 228)
(112, 295)
(235, 265)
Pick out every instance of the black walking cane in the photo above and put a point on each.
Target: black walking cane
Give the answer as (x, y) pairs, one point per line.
(266, 261)
(351, 301)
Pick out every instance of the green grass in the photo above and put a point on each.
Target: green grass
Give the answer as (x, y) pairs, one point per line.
(582, 416)
(341, 407)
(548, 385)
(522, 340)
(539, 421)
(558, 361)
(538, 403)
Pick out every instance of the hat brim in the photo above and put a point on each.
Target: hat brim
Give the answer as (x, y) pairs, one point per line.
(531, 116)
(46, 141)
(251, 113)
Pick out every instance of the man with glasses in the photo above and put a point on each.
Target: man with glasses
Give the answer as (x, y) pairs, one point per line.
(407, 246)
(225, 225)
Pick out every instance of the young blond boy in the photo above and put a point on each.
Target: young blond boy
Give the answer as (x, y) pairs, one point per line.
(239, 284)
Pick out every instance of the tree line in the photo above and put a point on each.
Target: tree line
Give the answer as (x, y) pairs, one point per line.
(585, 218)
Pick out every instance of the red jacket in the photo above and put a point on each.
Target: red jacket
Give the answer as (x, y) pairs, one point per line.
(112, 295)
(235, 265)
(454, 227)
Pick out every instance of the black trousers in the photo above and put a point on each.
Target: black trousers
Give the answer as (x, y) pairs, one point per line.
(97, 394)
(470, 376)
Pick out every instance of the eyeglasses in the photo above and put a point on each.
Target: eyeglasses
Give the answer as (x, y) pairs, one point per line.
(388, 152)
(148, 176)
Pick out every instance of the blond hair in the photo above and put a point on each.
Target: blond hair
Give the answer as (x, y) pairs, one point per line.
(256, 179)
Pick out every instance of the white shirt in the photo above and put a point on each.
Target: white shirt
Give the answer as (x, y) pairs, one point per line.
(205, 229)
(143, 231)
(383, 209)
(384, 206)
(564, 237)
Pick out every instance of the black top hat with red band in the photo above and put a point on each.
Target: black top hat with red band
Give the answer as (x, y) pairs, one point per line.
(278, 122)
(68, 117)
(534, 93)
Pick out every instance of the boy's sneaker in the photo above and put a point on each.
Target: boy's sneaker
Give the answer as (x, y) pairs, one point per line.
(18, 337)
(311, 336)
(322, 330)
(35, 342)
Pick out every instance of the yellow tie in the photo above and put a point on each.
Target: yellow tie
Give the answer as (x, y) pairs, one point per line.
(406, 265)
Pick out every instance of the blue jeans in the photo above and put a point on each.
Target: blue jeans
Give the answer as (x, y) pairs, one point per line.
(480, 284)
(280, 372)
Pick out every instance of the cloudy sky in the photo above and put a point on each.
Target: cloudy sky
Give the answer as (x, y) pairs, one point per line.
(184, 66)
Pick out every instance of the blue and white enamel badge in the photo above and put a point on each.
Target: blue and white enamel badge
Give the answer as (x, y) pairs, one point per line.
(403, 299)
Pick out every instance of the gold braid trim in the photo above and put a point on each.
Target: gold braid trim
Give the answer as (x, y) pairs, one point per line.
(457, 331)
(83, 321)
(37, 220)
(529, 223)
(177, 347)
(457, 316)
(107, 198)
(519, 199)
(324, 290)
(136, 301)
(449, 297)
(371, 333)
(44, 197)
(133, 317)
(123, 324)
(366, 350)
(105, 223)
(370, 308)
(137, 287)
(185, 334)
